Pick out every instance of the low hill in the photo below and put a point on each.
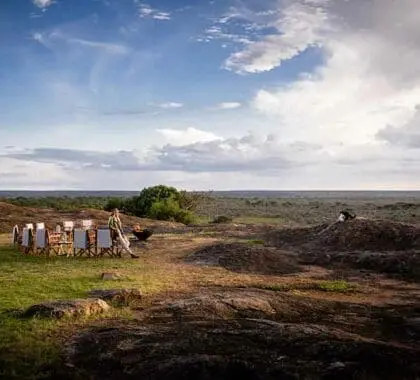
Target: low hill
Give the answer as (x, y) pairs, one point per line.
(11, 215)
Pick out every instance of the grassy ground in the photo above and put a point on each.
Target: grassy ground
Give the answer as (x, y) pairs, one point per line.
(27, 346)
(308, 211)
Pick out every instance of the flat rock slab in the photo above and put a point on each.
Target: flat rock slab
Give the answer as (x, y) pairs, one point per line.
(120, 296)
(68, 308)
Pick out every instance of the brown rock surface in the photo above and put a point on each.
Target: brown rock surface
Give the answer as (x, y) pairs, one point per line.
(68, 308)
(119, 296)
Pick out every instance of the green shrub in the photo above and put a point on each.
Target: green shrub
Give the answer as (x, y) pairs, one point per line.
(142, 205)
(169, 209)
(113, 203)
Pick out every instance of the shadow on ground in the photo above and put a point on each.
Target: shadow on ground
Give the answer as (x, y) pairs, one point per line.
(247, 258)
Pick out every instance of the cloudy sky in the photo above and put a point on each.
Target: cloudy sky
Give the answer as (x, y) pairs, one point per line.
(210, 94)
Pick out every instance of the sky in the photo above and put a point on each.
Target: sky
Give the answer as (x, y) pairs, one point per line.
(210, 94)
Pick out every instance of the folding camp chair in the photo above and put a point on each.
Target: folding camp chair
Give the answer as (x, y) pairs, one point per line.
(15, 235)
(105, 245)
(92, 242)
(87, 224)
(82, 244)
(27, 241)
(54, 242)
(68, 225)
(41, 242)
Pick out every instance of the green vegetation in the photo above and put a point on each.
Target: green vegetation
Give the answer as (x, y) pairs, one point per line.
(206, 207)
(24, 281)
(256, 241)
(323, 286)
(339, 286)
(169, 209)
(160, 202)
(59, 203)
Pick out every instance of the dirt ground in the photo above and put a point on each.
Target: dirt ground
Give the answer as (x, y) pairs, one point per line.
(266, 303)
(272, 322)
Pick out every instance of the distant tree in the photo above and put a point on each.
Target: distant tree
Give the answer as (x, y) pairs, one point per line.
(169, 209)
(113, 203)
(142, 204)
(190, 201)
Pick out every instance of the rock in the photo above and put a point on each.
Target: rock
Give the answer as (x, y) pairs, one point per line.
(111, 276)
(414, 323)
(119, 296)
(68, 308)
(247, 349)
(337, 365)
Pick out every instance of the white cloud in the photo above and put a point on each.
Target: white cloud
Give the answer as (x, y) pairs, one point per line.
(406, 135)
(228, 105)
(300, 26)
(55, 38)
(191, 135)
(162, 16)
(170, 105)
(145, 10)
(38, 37)
(109, 47)
(30, 174)
(42, 3)
(368, 78)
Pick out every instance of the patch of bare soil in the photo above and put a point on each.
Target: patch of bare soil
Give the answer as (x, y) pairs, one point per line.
(357, 234)
(250, 334)
(247, 257)
(11, 215)
(378, 245)
(228, 230)
(403, 264)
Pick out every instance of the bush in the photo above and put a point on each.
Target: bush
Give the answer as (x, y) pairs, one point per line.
(113, 203)
(142, 205)
(169, 209)
(222, 219)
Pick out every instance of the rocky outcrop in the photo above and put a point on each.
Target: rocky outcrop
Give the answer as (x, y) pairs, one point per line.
(117, 296)
(67, 308)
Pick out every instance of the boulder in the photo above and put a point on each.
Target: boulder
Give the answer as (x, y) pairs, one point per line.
(119, 296)
(67, 308)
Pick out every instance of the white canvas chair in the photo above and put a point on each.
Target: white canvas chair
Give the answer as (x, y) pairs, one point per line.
(40, 226)
(87, 224)
(68, 226)
(41, 242)
(15, 235)
(105, 244)
(82, 243)
(27, 240)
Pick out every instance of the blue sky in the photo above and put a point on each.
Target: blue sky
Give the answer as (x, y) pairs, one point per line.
(233, 94)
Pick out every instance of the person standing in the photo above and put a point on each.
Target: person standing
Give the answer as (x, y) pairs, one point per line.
(115, 225)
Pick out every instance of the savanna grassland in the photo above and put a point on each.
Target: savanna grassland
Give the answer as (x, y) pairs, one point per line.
(278, 292)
